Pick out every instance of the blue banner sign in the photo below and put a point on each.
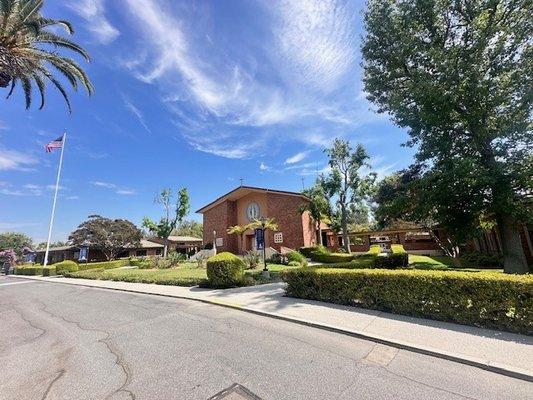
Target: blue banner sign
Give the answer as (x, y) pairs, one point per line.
(259, 239)
(84, 252)
(29, 257)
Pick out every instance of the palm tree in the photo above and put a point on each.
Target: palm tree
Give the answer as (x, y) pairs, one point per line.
(28, 49)
(266, 224)
(239, 230)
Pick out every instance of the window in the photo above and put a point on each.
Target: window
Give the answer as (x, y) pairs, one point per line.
(278, 237)
(158, 252)
(140, 253)
(356, 241)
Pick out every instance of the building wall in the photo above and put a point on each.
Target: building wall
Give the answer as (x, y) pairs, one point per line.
(218, 219)
(284, 209)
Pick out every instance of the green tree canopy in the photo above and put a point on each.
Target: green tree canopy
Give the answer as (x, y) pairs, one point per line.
(15, 241)
(189, 228)
(457, 74)
(347, 181)
(107, 235)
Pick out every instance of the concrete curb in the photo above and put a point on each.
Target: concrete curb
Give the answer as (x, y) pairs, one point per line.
(502, 369)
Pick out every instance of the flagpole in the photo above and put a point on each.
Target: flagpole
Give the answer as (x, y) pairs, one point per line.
(55, 199)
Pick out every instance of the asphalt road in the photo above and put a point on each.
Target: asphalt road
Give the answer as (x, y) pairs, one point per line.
(68, 342)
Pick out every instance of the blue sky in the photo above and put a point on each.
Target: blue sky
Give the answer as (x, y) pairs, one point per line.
(194, 94)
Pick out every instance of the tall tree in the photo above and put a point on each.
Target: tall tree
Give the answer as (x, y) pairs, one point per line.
(110, 236)
(457, 74)
(347, 182)
(168, 222)
(28, 48)
(14, 241)
(317, 206)
(189, 228)
(413, 195)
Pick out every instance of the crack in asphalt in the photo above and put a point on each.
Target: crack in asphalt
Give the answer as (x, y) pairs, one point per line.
(30, 323)
(58, 376)
(119, 358)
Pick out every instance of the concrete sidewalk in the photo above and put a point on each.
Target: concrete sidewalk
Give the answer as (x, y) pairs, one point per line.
(500, 352)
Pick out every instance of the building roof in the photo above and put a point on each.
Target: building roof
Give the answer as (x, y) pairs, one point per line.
(59, 248)
(184, 239)
(242, 191)
(145, 244)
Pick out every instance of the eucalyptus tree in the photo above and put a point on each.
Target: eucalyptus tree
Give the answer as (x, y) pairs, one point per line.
(348, 182)
(172, 218)
(29, 51)
(457, 74)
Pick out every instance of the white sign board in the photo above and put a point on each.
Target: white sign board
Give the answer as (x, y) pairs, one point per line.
(219, 242)
(278, 237)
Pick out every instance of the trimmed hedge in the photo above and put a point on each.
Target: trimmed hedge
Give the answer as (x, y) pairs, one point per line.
(297, 257)
(329, 258)
(483, 299)
(66, 266)
(392, 261)
(30, 270)
(374, 249)
(306, 251)
(397, 249)
(49, 270)
(105, 264)
(225, 270)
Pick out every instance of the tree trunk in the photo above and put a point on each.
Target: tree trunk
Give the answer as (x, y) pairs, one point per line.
(320, 235)
(514, 259)
(344, 222)
(165, 249)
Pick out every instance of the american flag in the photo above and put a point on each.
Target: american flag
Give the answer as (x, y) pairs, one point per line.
(54, 144)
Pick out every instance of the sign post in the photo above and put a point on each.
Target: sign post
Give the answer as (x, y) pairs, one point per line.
(260, 244)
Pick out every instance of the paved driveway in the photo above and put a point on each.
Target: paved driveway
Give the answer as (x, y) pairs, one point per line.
(68, 342)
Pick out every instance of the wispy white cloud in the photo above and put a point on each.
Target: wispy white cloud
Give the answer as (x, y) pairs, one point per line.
(106, 185)
(297, 157)
(126, 192)
(136, 112)
(93, 12)
(317, 41)
(116, 188)
(263, 167)
(15, 160)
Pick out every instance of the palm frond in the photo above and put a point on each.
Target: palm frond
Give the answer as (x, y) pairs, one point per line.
(56, 40)
(29, 9)
(41, 86)
(45, 22)
(26, 86)
(58, 86)
(13, 84)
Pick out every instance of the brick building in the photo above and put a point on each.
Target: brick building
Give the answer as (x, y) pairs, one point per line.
(246, 203)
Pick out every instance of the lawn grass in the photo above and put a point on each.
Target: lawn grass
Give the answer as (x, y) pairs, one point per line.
(444, 263)
(187, 274)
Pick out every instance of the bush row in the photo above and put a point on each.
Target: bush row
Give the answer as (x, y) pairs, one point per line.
(487, 300)
(104, 264)
(30, 270)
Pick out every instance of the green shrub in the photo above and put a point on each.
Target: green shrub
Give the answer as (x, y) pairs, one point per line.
(105, 264)
(356, 263)
(225, 270)
(374, 249)
(481, 260)
(49, 270)
(277, 258)
(485, 299)
(66, 266)
(294, 264)
(306, 251)
(297, 257)
(134, 262)
(29, 269)
(392, 261)
(328, 258)
(397, 249)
